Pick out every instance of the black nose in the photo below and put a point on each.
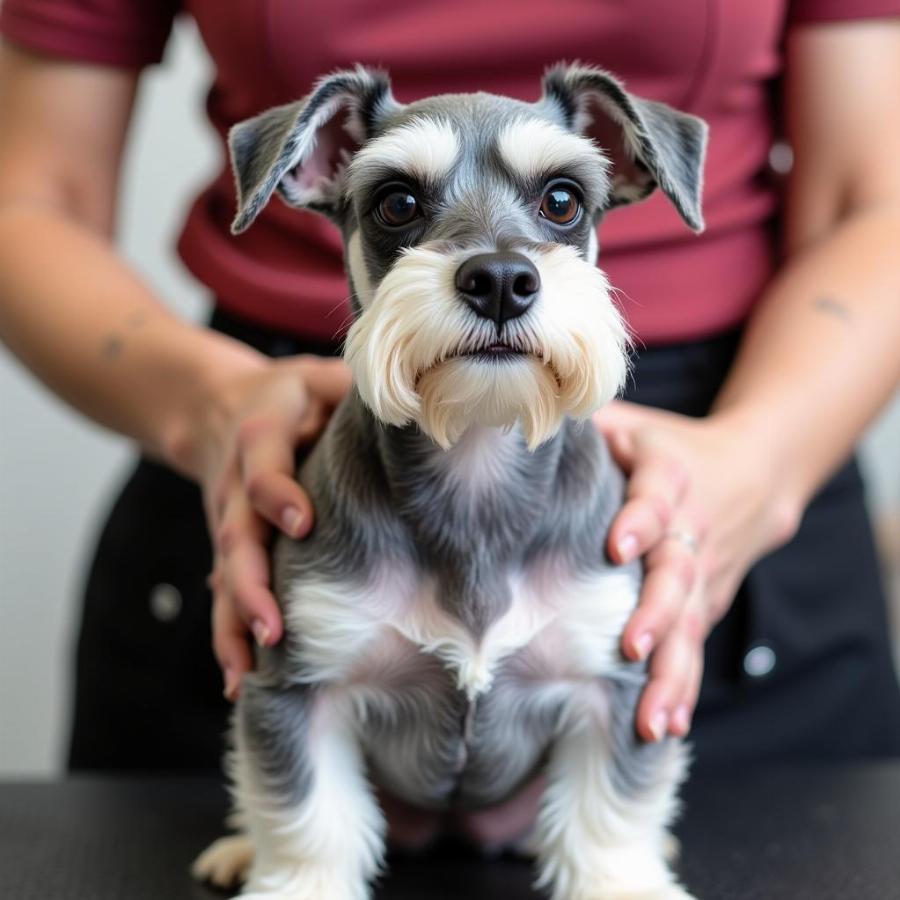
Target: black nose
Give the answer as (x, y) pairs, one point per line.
(498, 286)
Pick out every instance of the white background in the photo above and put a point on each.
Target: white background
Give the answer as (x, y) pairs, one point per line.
(58, 472)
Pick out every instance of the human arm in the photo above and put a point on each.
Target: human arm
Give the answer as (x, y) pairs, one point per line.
(817, 361)
(88, 327)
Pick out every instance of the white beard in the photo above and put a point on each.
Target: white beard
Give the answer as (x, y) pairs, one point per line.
(405, 349)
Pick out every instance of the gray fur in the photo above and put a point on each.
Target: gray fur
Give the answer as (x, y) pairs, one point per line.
(656, 144)
(636, 764)
(273, 721)
(383, 499)
(377, 498)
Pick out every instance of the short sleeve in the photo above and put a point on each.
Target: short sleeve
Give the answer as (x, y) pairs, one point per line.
(807, 12)
(126, 33)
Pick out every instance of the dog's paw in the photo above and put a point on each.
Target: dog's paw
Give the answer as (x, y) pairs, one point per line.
(226, 862)
(304, 881)
(666, 892)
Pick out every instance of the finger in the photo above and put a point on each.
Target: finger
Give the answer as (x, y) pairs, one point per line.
(230, 644)
(621, 445)
(694, 626)
(620, 415)
(670, 576)
(216, 494)
(327, 379)
(245, 570)
(670, 669)
(312, 423)
(655, 490)
(683, 713)
(266, 452)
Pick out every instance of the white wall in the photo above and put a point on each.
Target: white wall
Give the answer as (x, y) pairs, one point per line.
(58, 472)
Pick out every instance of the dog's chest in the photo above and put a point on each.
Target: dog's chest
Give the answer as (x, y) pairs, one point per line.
(443, 711)
(397, 622)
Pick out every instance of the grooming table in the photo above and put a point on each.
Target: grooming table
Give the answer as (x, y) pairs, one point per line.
(787, 833)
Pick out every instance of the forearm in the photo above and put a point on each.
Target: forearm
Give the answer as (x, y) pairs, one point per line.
(821, 354)
(86, 325)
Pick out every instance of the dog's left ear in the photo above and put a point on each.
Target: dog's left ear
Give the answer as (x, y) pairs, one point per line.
(649, 144)
(300, 149)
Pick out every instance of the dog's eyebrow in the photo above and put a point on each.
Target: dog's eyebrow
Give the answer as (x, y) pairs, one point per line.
(532, 148)
(425, 148)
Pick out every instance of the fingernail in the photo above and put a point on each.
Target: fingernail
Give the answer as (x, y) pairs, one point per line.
(627, 548)
(261, 632)
(658, 724)
(232, 683)
(291, 520)
(643, 644)
(681, 720)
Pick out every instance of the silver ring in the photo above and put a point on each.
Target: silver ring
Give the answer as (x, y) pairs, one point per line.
(685, 537)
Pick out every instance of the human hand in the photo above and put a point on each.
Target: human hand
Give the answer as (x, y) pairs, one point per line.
(703, 504)
(243, 453)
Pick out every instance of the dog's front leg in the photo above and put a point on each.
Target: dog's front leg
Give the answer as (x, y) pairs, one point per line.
(302, 794)
(601, 831)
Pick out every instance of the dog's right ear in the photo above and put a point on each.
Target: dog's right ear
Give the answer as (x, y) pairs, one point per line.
(300, 150)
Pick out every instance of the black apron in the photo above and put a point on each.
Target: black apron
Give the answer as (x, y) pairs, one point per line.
(799, 668)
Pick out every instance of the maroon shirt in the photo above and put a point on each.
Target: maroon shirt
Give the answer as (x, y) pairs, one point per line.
(715, 58)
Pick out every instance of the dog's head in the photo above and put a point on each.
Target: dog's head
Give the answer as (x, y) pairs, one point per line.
(469, 230)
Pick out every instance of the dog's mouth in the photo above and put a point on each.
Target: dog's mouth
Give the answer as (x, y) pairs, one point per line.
(497, 351)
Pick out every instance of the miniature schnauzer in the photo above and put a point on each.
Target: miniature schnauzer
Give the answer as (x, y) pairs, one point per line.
(451, 624)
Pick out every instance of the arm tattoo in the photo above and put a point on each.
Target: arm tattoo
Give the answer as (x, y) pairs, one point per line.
(114, 344)
(112, 347)
(832, 307)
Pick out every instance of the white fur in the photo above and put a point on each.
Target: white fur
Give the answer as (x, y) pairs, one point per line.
(359, 274)
(368, 641)
(426, 148)
(481, 461)
(593, 247)
(592, 612)
(404, 349)
(343, 625)
(333, 844)
(534, 147)
(594, 843)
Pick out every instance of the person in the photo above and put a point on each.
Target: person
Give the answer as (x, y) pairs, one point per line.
(764, 347)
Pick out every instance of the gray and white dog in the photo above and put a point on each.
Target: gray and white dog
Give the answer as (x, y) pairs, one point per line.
(452, 625)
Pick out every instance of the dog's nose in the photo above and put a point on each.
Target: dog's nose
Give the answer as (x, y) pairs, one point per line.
(498, 286)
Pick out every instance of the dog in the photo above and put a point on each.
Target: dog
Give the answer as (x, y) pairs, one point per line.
(452, 626)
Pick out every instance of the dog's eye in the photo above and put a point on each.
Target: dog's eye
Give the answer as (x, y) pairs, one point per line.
(560, 205)
(398, 208)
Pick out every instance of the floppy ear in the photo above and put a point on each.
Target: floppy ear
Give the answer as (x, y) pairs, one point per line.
(649, 143)
(301, 149)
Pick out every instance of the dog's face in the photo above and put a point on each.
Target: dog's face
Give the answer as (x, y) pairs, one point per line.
(469, 224)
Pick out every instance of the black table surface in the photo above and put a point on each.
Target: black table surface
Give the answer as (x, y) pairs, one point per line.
(786, 833)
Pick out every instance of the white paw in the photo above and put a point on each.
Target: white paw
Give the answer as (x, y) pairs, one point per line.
(667, 892)
(304, 882)
(225, 862)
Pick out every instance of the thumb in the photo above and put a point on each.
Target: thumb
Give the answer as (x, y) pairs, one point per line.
(620, 415)
(622, 447)
(327, 379)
